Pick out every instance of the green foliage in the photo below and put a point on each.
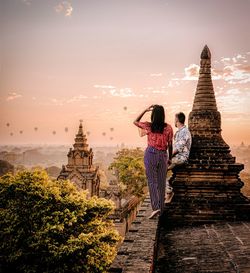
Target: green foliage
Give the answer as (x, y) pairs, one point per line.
(128, 166)
(50, 226)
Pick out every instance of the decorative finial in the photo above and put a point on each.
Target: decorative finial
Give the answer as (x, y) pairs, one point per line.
(80, 125)
(205, 54)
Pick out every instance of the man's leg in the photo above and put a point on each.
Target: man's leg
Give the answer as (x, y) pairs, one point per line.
(175, 162)
(169, 189)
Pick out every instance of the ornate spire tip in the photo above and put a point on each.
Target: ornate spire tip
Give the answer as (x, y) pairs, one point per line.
(205, 54)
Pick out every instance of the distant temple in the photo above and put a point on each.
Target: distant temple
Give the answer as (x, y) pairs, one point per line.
(80, 169)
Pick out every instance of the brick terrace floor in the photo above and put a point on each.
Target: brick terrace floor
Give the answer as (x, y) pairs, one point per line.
(223, 247)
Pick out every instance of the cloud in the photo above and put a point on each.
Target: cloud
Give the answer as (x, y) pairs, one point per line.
(115, 92)
(104, 86)
(64, 7)
(225, 59)
(77, 98)
(234, 100)
(216, 74)
(123, 92)
(63, 101)
(191, 72)
(233, 70)
(231, 102)
(126, 92)
(236, 73)
(13, 96)
(233, 92)
(159, 92)
(239, 56)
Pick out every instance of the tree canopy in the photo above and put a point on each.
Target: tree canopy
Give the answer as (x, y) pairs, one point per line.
(50, 226)
(128, 166)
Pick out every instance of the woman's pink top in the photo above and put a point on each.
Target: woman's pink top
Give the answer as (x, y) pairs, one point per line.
(160, 141)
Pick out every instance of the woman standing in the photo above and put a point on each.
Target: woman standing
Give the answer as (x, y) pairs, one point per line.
(156, 157)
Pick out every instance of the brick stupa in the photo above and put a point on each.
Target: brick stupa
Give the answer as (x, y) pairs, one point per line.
(208, 187)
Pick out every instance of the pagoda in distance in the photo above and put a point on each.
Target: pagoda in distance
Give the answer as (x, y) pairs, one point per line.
(80, 169)
(208, 187)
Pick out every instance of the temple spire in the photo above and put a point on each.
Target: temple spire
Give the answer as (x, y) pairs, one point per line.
(204, 97)
(205, 54)
(80, 139)
(80, 131)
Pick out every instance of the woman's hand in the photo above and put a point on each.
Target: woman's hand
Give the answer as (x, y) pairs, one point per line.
(150, 108)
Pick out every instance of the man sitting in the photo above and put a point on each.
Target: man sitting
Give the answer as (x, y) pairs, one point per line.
(181, 149)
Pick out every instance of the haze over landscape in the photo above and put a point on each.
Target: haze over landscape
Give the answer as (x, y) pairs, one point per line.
(105, 61)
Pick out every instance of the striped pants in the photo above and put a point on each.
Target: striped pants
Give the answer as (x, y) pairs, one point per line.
(155, 162)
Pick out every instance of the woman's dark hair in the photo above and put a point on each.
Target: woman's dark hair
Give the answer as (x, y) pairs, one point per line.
(157, 119)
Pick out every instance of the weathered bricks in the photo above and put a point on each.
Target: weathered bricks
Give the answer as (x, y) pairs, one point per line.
(220, 247)
(136, 254)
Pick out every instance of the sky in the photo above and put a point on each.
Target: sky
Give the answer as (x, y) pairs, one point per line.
(105, 61)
